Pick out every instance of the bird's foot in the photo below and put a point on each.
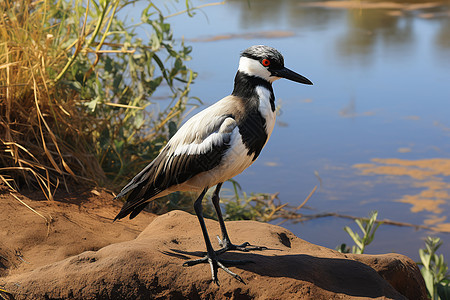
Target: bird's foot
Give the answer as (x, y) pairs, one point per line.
(215, 264)
(245, 247)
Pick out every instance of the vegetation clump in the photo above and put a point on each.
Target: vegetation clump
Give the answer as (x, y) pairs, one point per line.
(434, 269)
(77, 91)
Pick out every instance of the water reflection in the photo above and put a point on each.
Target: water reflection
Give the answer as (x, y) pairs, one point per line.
(252, 35)
(368, 28)
(442, 38)
(428, 175)
(368, 24)
(260, 13)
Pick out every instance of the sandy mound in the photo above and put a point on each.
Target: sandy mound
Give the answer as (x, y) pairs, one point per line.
(78, 222)
(150, 266)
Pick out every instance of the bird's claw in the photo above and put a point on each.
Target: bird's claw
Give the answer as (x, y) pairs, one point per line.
(215, 264)
(244, 247)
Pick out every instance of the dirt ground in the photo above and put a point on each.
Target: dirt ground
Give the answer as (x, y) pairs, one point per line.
(74, 222)
(70, 248)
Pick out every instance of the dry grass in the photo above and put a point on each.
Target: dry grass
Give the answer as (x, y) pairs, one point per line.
(75, 93)
(42, 142)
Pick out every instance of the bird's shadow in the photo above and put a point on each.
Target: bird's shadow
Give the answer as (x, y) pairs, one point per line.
(183, 254)
(337, 275)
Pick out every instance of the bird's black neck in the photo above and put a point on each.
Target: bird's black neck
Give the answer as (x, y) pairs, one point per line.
(245, 87)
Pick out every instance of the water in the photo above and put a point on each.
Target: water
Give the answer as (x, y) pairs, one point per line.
(381, 91)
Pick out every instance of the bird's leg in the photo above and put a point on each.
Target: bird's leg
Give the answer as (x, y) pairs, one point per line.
(211, 256)
(225, 243)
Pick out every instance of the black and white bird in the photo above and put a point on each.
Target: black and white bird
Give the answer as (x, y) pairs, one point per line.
(215, 145)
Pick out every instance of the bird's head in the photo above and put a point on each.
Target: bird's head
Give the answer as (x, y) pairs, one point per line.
(267, 63)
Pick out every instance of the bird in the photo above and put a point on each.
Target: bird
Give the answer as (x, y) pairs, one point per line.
(215, 145)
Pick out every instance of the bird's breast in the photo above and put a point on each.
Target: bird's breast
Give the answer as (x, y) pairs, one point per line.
(251, 123)
(267, 108)
(256, 125)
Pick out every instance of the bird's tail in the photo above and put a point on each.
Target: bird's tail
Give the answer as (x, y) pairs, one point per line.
(138, 192)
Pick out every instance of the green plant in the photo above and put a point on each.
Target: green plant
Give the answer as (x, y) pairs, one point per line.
(76, 92)
(434, 270)
(368, 229)
(262, 207)
(120, 82)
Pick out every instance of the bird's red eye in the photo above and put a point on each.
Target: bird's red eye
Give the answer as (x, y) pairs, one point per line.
(265, 62)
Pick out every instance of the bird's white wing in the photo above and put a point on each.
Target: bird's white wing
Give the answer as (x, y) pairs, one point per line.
(198, 146)
(185, 158)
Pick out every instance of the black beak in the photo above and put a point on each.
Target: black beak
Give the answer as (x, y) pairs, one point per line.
(291, 75)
